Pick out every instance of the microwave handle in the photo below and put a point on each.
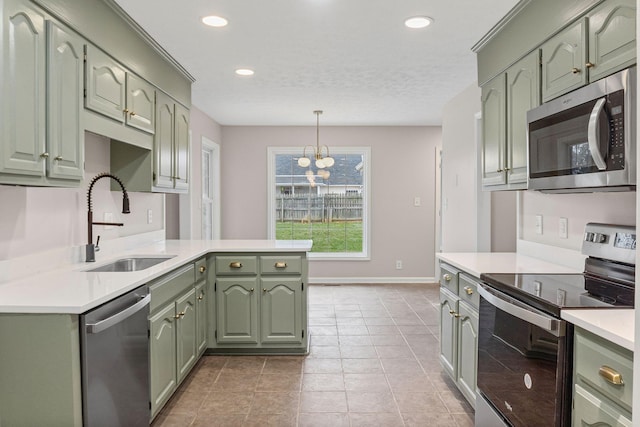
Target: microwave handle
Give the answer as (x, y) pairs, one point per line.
(593, 134)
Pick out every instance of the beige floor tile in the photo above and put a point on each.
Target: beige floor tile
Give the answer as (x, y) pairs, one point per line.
(323, 330)
(388, 340)
(350, 321)
(383, 330)
(377, 420)
(322, 321)
(279, 382)
(173, 420)
(455, 403)
(409, 383)
(352, 330)
(361, 366)
(431, 420)
(324, 352)
(324, 340)
(245, 364)
(322, 366)
(283, 364)
(355, 340)
(358, 352)
(275, 403)
(323, 420)
(394, 352)
(348, 313)
(186, 401)
(209, 420)
(401, 366)
(323, 382)
(323, 401)
(271, 420)
(236, 381)
(464, 420)
(378, 321)
(229, 403)
(366, 382)
(370, 402)
(428, 402)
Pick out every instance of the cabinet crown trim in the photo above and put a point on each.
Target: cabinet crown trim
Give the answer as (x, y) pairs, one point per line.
(500, 25)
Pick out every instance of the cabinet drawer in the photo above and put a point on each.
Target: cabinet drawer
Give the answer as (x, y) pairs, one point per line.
(291, 264)
(449, 278)
(167, 287)
(468, 290)
(593, 354)
(201, 269)
(236, 265)
(589, 410)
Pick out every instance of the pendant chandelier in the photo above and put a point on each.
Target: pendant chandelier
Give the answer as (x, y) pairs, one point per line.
(322, 162)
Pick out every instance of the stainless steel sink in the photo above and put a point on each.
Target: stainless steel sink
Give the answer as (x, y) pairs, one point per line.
(131, 264)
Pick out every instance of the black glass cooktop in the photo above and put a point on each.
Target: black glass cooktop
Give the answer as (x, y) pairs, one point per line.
(553, 292)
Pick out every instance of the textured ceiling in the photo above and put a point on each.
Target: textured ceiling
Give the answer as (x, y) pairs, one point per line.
(354, 59)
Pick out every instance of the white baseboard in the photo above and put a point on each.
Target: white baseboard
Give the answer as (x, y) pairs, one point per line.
(364, 280)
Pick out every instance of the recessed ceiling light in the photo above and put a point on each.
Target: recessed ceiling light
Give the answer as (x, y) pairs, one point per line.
(214, 21)
(418, 22)
(244, 72)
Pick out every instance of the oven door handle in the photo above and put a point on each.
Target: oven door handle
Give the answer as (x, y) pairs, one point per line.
(519, 309)
(593, 134)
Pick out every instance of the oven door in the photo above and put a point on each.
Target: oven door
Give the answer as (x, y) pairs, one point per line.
(523, 361)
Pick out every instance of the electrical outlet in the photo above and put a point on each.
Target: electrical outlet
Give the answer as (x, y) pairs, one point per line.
(538, 224)
(399, 265)
(108, 217)
(417, 202)
(149, 216)
(563, 228)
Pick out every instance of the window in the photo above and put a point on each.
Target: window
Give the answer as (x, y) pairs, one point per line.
(329, 206)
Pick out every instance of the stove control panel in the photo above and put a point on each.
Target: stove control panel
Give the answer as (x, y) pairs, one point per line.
(612, 242)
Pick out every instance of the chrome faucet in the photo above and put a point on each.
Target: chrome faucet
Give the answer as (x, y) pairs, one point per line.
(91, 249)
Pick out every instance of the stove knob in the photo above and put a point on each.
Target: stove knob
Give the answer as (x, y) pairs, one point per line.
(588, 237)
(599, 238)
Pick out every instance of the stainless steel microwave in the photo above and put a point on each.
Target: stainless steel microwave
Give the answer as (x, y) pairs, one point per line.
(586, 140)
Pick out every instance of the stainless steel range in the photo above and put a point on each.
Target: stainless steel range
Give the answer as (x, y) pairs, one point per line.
(525, 349)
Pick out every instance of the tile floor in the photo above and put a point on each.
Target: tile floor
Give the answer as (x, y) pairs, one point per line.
(373, 362)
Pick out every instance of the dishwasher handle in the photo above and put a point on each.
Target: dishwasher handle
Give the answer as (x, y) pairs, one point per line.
(520, 310)
(94, 328)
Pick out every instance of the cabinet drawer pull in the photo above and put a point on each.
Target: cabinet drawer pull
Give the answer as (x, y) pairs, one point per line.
(251, 289)
(177, 316)
(589, 65)
(280, 264)
(264, 289)
(126, 110)
(235, 264)
(133, 113)
(44, 155)
(456, 315)
(201, 297)
(57, 158)
(500, 170)
(468, 290)
(203, 269)
(611, 375)
(451, 312)
(575, 70)
(447, 277)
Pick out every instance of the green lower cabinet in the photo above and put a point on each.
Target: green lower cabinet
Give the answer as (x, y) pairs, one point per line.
(163, 356)
(590, 410)
(467, 350)
(202, 305)
(281, 310)
(448, 332)
(186, 333)
(237, 310)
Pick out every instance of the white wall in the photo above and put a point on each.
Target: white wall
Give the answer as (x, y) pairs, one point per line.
(403, 167)
(34, 219)
(460, 198)
(613, 208)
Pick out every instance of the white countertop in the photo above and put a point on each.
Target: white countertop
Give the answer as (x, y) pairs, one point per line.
(615, 325)
(72, 290)
(476, 263)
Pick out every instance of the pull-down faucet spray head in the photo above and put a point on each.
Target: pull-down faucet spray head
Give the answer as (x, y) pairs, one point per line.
(91, 249)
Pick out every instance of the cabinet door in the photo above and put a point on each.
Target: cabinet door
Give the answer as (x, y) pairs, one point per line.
(181, 147)
(563, 61)
(162, 356)
(202, 306)
(590, 410)
(612, 38)
(163, 141)
(467, 351)
(65, 88)
(448, 332)
(141, 104)
(186, 333)
(105, 85)
(494, 112)
(23, 89)
(237, 310)
(281, 310)
(523, 94)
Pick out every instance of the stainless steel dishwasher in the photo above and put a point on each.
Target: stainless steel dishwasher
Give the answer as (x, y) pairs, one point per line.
(115, 362)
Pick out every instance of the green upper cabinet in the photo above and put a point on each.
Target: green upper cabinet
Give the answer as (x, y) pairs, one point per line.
(140, 111)
(106, 85)
(494, 112)
(171, 145)
(592, 48)
(65, 86)
(523, 94)
(23, 89)
(563, 61)
(612, 38)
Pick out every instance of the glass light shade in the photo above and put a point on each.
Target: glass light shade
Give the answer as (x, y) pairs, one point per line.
(244, 72)
(418, 22)
(214, 21)
(320, 164)
(328, 161)
(303, 162)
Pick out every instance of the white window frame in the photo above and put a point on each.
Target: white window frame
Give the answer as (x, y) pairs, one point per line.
(366, 229)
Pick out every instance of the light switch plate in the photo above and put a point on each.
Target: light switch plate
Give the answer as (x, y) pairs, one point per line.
(563, 228)
(417, 202)
(538, 224)
(149, 216)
